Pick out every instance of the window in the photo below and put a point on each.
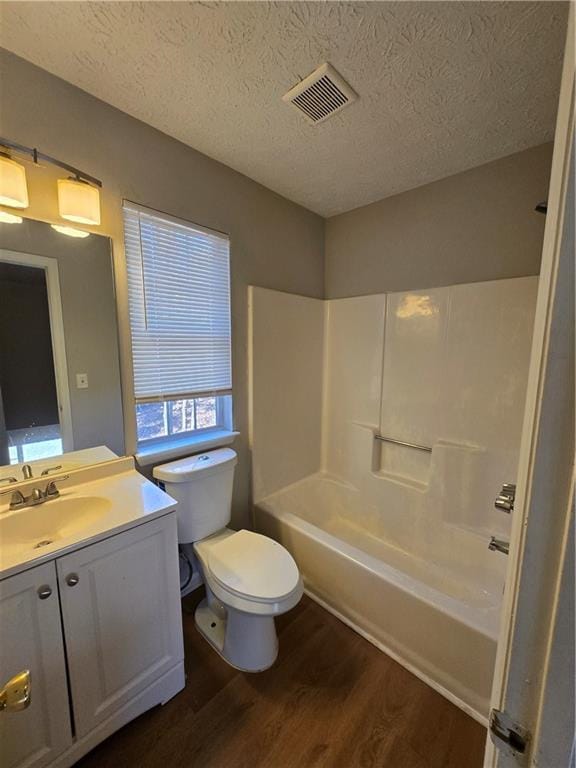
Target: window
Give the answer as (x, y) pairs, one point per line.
(179, 304)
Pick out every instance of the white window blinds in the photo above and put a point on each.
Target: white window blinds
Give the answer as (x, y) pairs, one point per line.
(179, 301)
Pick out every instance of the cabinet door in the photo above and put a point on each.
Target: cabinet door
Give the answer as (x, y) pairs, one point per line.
(122, 617)
(31, 638)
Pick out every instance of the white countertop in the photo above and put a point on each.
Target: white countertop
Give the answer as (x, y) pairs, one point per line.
(129, 499)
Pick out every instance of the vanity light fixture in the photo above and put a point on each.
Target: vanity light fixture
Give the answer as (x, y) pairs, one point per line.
(13, 188)
(79, 201)
(9, 218)
(70, 231)
(78, 196)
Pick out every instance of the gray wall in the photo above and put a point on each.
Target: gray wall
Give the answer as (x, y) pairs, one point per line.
(477, 225)
(90, 326)
(274, 243)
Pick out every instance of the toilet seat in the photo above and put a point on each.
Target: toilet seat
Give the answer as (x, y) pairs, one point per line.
(250, 572)
(253, 565)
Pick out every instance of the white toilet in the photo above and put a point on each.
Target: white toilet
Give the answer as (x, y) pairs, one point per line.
(249, 578)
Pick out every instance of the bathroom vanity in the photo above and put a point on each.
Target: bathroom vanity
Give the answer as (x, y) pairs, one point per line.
(90, 606)
(90, 616)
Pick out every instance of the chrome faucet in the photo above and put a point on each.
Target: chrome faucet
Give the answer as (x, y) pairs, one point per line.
(499, 545)
(27, 471)
(37, 495)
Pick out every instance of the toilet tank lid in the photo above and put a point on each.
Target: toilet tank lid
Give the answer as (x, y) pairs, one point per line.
(208, 463)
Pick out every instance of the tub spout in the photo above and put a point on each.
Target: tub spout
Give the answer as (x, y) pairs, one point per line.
(499, 545)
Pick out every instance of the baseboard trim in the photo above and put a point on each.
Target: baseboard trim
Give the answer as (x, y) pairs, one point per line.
(458, 702)
(161, 691)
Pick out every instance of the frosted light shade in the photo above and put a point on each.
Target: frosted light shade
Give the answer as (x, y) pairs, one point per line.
(13, 189)
(70, 231)
(78, 201)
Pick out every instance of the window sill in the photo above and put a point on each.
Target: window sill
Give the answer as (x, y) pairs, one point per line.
(173, 449)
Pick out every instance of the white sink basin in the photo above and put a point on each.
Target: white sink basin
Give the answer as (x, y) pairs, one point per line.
(33, 528)
(106, 499)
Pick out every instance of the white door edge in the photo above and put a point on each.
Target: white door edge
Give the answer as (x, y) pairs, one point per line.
(527, 613)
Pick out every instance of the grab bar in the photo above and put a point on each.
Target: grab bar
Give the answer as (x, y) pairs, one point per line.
(402, 442)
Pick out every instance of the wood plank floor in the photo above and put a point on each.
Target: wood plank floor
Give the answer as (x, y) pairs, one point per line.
(332, 700)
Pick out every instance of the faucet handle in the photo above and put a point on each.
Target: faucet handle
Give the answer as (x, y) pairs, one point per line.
(50, 469)
(17, 498)
(8, 479)
(51, 489)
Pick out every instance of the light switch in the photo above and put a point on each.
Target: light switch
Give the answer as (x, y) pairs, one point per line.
(82, 381)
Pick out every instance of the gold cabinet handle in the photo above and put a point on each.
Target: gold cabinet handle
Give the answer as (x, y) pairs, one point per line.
(15, 695)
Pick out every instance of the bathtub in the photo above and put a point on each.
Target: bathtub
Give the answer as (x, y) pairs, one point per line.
(437, 617)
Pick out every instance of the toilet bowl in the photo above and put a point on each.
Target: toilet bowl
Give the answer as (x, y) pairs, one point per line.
(249, 578)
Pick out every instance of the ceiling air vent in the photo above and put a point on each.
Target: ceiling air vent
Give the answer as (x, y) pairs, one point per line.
(321, 94)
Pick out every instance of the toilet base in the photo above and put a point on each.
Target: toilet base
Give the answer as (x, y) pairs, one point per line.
(245, 641)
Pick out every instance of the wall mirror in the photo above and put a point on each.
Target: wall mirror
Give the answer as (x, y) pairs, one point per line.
(60, 393)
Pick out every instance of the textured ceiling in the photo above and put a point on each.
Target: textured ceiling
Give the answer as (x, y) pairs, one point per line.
(443, 86)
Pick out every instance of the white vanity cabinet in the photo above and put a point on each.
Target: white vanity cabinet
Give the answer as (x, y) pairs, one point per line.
(31, 638)
(122, 619)
(113, 617)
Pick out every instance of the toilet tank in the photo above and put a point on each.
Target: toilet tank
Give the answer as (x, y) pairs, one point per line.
(202, 486)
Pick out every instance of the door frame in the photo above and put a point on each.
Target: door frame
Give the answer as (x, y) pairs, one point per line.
(50, 267)
(535, 606)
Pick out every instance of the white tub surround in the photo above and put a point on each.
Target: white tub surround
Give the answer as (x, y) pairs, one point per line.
(285, 370)
(390, 537)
